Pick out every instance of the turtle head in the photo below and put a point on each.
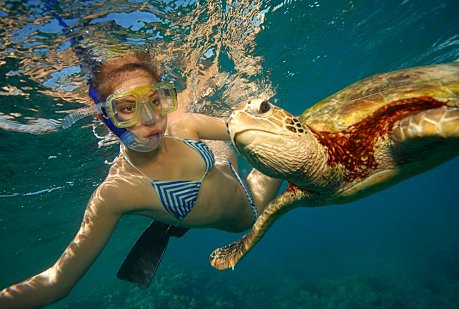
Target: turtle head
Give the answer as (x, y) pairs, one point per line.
(270, 138)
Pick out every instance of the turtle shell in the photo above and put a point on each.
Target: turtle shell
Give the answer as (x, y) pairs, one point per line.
(439, 83)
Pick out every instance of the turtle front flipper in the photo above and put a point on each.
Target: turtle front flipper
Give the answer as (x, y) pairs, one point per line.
(228, 256)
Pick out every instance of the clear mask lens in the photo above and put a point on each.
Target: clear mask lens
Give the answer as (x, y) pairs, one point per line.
(167, 99)
(125, 107)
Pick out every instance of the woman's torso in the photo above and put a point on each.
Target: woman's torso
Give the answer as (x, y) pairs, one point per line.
(221, 202)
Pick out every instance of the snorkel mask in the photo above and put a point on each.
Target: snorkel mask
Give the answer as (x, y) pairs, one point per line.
(122, 109)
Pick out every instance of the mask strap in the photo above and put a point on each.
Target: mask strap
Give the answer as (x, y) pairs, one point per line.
(87, 60)
(93, 93)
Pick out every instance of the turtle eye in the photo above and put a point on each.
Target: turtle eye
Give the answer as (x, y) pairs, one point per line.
(264, 107)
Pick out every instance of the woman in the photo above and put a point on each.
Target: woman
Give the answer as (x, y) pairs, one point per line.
(164, 171)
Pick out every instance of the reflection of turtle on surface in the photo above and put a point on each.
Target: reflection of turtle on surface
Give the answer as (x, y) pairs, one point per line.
(358, 141)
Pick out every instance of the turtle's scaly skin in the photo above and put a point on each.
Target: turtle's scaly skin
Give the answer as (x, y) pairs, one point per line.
(364, 138)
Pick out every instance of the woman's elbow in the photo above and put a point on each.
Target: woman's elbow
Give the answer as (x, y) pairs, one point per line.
(49, 287)
(58, 285)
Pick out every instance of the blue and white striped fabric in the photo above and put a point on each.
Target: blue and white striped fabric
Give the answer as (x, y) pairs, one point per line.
(179, 196)
(205, 152)
(246, 188)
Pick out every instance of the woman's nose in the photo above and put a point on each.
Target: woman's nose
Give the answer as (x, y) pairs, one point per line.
(149, 114)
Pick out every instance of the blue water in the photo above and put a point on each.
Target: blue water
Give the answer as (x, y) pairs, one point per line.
(396, 249)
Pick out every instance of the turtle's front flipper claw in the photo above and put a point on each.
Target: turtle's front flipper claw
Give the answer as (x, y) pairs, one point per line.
(228, 256)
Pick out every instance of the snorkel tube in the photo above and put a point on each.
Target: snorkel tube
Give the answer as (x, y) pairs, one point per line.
(89, 63)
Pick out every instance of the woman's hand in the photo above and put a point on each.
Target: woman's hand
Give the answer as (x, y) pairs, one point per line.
(56, 282)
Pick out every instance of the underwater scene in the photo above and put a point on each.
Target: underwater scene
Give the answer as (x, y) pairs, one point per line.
(398, 248)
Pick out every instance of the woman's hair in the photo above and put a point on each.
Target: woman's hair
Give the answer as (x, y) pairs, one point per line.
(110, 73)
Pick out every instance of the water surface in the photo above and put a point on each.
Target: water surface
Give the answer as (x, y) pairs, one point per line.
(396, 249)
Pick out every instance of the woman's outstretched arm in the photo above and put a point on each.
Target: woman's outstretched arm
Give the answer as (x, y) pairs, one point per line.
(56, 282)
(198, 126)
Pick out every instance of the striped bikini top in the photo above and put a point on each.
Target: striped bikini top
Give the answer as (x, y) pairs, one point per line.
(178, 197)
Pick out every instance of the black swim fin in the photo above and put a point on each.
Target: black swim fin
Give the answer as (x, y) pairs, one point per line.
(143, 260)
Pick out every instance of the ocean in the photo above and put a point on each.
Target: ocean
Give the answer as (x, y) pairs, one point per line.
(395, 249)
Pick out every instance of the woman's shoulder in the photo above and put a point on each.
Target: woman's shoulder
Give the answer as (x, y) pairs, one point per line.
(182, 126)
(119, 190)
(109, 195)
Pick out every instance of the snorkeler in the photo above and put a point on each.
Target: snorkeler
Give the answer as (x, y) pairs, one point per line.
(164, 171)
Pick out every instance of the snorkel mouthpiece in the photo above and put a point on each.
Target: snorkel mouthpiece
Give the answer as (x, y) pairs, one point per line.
(132, 142)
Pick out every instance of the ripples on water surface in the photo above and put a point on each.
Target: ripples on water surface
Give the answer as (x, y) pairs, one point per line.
(398, 248)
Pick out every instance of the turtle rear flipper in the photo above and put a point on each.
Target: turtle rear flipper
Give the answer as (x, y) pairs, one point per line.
(432, 134)
(439, 123)
(228, 256)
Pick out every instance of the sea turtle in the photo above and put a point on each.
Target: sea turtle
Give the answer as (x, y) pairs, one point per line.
(364, 138)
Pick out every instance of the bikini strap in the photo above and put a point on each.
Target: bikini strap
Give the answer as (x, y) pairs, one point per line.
(204, 151)
(246, 188)
(125, 156)
(202, 148)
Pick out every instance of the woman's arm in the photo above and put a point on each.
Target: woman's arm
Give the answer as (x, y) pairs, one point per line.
(198, 126)
(56, 282)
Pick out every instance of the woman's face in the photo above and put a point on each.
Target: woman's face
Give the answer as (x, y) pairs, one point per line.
(151, 125)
